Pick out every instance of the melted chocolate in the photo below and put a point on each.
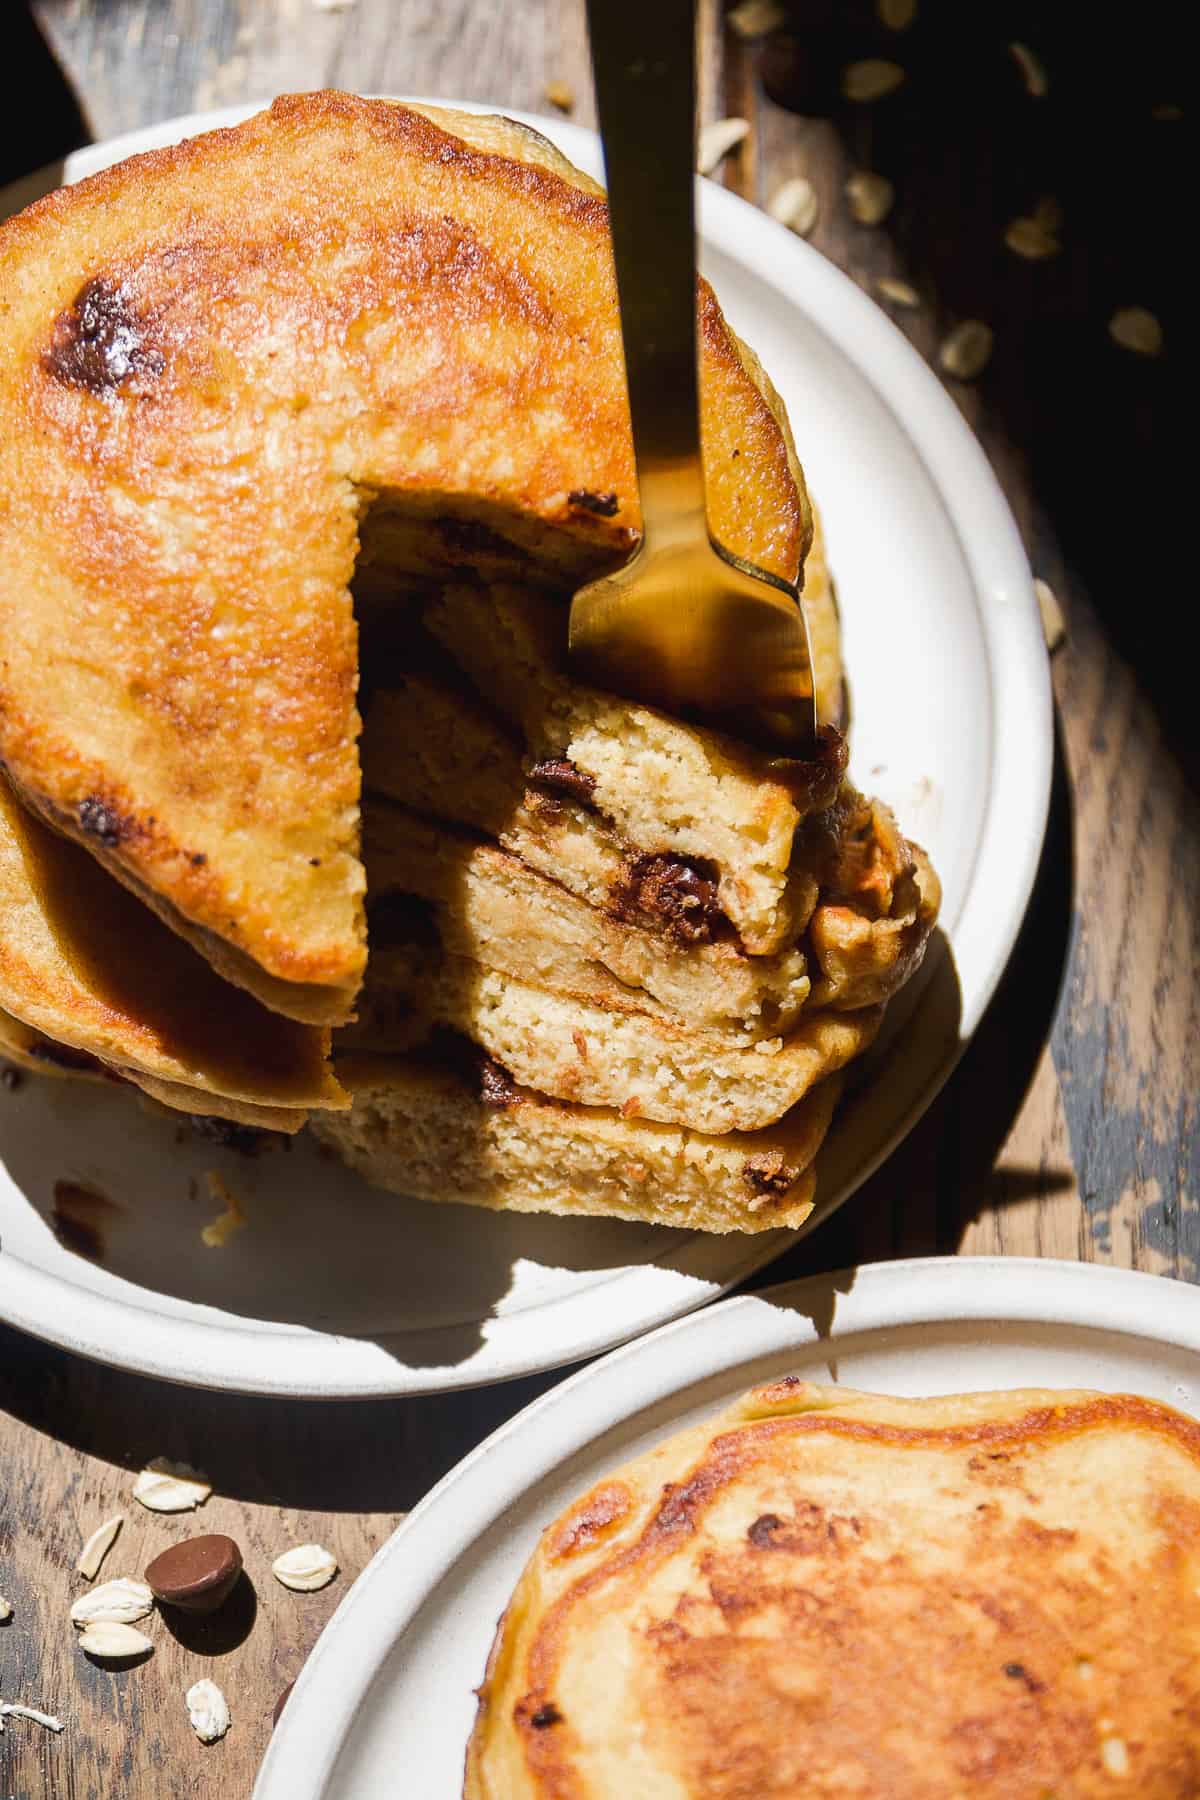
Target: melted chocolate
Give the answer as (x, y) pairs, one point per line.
(560, 774)
(768, 1173)
(99, 341)
(604, 506)
(673, 896)
(763, 1530)
(496, 1086)
(99, 820)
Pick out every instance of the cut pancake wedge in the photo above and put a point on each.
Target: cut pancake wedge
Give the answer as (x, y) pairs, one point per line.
(663, 786)
(491, 907)
(439, 1133)
(84, 965)
(649, 1068)
(343, 333)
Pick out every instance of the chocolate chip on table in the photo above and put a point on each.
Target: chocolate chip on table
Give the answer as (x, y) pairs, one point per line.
(197, 1575)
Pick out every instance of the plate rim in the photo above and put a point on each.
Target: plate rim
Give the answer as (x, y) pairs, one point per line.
(881, 1296)
(146, 1338)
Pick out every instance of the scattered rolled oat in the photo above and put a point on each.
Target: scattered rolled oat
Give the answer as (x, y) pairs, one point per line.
(5, 1609)
(755, 18)
(208, 1711)
(1054, 626)
(869, 196)
(900, 293)
(165, 1486)
(717, 140)
(897, 15)
(10, 1709)
(1033, 70)
(109, 1640)
(795, 205)
(218, 1231)
(871, 79)
(1134, 328)
(121, 1601)
(1032, 239)
(559, 94)
(98, 1546)
(1049, 213)
(965, 351)
(305, 1569)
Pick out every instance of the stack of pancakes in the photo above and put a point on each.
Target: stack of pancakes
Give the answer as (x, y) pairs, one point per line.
(349, 370)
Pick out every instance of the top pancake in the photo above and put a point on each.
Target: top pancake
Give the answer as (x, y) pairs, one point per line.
(229, 367)
(820, 1594)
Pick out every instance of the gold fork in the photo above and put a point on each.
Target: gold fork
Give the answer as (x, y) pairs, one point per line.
(684, 624)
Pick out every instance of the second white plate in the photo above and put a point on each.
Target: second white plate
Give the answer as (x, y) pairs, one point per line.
(333, 1289)
(390, 1684)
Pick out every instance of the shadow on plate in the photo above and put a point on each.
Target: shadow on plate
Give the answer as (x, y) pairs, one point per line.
(934, 1185)
(320, 1248)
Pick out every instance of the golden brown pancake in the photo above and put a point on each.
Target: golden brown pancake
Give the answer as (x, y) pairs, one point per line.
(229, 367)
(91, 974)
(463, 1130)
(821, 1594)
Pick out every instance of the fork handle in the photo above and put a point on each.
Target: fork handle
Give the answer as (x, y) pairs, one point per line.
(644, 63)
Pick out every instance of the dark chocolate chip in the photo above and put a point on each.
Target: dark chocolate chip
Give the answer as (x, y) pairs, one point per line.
(768, 1173)
(99, 820)
(762, 1532)
(604, 505)
(99, 341)
(671, 895)
(546, 1716)
(496, 1086)
(560, 774)
(197, 1575)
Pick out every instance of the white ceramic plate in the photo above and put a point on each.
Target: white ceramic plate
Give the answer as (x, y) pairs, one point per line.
(336, 1290)
(389, 1684)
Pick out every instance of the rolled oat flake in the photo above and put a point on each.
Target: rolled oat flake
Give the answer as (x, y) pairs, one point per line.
(208, 1711)
(110, 1641)
(965, 352)
(305, 1569)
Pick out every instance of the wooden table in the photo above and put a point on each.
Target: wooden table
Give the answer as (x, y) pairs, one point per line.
(1070, 1127)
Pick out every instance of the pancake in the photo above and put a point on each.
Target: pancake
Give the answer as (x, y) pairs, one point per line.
(665, 787)
(38, 1055)
(464, 1131)
(346, 333)
(91, 975)
(492, 908)
(603, 1054)
(820, 1593)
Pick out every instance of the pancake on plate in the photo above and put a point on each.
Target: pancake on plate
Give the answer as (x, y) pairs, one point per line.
(323, 416)
(821, 1593)
(343, 331)
(92, 983)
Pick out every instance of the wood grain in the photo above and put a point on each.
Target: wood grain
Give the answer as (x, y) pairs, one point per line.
(1070, 1127)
